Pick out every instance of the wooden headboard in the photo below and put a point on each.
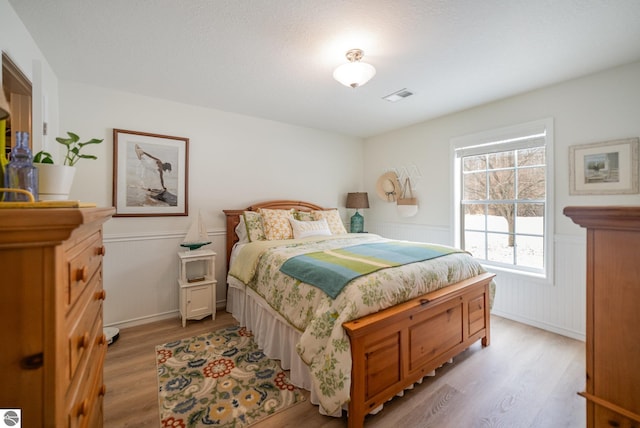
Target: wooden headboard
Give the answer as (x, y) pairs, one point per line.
(233, 216)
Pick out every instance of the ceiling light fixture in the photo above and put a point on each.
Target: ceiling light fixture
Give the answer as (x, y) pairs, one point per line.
(354, 73)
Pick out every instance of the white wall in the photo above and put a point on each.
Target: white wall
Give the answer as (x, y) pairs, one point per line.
(603, 106)
(234, 161)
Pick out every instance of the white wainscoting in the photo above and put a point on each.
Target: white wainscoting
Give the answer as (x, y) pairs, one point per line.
(558, 307)
(141, 276)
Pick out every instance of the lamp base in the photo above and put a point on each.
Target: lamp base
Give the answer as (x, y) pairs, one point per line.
(357, 223)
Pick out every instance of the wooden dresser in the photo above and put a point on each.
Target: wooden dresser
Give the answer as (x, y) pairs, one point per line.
(51, 295)
(613, 314)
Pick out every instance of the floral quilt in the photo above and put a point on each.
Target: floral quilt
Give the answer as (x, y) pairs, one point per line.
(324, 345)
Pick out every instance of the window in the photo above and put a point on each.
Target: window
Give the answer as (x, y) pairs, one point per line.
(502, 197)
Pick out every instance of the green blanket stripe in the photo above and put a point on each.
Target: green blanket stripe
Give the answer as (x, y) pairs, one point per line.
(330, 272)
(360, 266)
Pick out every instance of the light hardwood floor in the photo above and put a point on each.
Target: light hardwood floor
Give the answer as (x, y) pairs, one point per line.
(527, 377)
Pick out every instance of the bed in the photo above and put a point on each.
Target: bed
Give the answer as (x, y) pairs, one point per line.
(409, 319)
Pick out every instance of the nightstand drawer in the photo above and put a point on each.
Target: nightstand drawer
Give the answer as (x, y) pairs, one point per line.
(83, 266)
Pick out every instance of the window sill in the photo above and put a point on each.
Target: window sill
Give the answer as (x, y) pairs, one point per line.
(540, 278)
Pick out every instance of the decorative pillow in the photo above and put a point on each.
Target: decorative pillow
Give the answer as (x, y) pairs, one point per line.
(255, 229)
(304, 216)
(276, 223)
(241, 231)
(302, 229)
(333, 220)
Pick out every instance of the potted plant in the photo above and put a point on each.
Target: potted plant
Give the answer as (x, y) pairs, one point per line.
(54, 181)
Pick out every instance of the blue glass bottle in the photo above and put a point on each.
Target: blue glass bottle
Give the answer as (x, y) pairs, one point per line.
(20, 172)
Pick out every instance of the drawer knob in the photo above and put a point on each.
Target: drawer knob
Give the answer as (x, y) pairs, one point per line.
(82, 274)
(103, 390)
(101, 295)
(32, 362)
(83, 408)
(102, 250)
(83, 342)
(102, 340)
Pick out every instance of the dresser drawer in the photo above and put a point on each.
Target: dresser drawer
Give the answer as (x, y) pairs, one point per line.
(84, 326)
(84, 261)
(85, 398)
(604, 417)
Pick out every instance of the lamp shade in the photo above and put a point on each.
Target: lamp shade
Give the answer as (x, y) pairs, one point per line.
(354, 73)
(4, 106)
(357, 200)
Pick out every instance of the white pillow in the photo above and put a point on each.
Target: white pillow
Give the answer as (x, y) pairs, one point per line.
(303, 229)
(333, 220)
(241, 232)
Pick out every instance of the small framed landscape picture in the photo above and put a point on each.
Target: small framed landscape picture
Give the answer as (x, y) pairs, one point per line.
(606, 168)
(150, 174)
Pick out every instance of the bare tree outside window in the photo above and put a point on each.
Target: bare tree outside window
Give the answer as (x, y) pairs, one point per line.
(508, 185)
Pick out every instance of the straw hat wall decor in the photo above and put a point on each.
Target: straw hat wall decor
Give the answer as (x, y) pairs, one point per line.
(388, 187)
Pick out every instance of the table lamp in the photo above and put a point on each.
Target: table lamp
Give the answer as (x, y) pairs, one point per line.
(357, 200)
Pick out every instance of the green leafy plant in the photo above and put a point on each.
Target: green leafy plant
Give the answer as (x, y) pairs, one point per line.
(43, 157)
(74, 147)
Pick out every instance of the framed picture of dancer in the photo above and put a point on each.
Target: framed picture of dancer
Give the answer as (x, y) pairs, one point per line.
(150, 174)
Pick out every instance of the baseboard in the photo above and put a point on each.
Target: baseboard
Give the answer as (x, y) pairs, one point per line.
(145, 320)
(577, 335)
(220, 305)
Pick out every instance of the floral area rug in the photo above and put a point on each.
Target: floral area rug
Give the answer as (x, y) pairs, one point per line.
(220, 379)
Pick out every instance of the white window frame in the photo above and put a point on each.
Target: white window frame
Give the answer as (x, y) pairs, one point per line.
(508, 137)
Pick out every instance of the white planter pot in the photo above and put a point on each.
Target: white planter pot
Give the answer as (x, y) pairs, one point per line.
(54, 181)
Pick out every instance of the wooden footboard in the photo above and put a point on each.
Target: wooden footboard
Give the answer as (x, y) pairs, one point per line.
(396, 347)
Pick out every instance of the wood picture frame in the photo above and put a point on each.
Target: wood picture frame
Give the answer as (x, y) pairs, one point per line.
(605, 168)
(150, 174)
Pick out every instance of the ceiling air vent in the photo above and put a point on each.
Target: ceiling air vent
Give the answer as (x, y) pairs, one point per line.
(398, 95)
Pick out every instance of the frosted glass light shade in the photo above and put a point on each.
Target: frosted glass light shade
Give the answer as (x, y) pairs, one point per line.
(354, 74)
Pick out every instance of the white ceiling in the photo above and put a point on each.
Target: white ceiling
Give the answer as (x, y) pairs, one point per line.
(274, 59)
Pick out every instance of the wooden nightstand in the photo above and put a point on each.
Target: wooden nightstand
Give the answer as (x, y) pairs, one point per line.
(196, 278)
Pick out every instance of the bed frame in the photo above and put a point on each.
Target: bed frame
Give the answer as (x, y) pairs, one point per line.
(398, 346)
